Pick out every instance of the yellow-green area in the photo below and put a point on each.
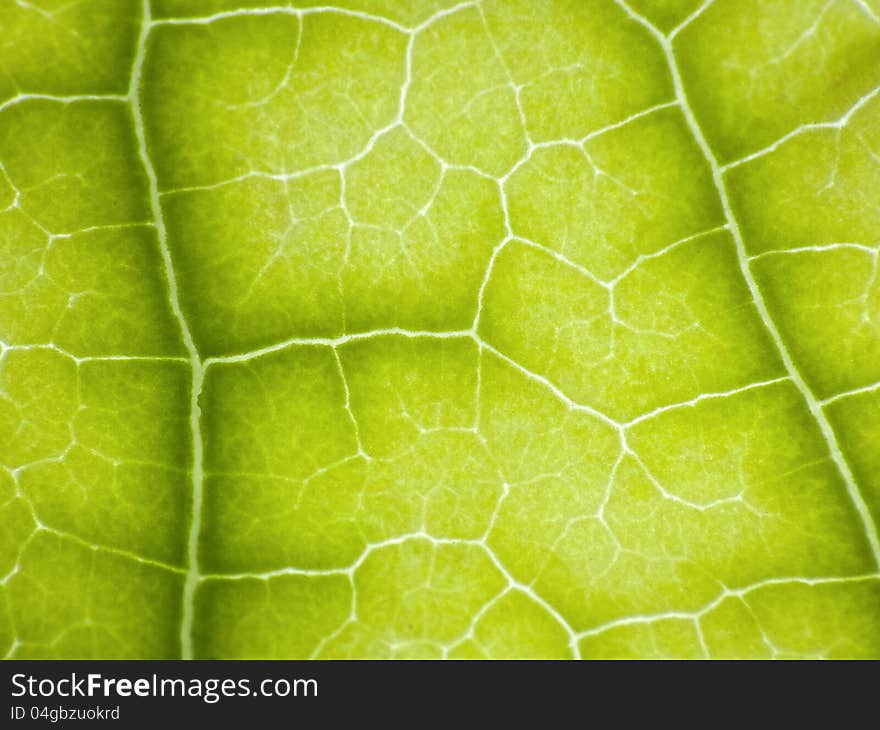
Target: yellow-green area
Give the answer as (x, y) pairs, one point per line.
(481, 329)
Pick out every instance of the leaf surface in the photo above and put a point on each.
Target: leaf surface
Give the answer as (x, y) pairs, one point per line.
(423, 329)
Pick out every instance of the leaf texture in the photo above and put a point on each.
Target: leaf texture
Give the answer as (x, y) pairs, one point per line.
(498, 328)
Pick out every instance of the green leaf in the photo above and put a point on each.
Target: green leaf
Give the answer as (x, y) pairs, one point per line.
(422, 329)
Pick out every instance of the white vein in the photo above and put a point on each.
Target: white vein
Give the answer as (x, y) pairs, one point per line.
(52, 347)
(278, 10)
(334, 342)
(820, 248)
(867, 10)
(874, 388)
(704, 397)
(195, 362)
(836, 125)
(21, 98)
(704, 6)
(628, 120)
(723, 595)
(351, 417)
(315, 10)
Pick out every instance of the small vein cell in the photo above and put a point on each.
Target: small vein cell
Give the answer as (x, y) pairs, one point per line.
(344, 85)
(857, 419)
(258, 259)
(92, 294)
(815, 188)
(425, 276)
(458, 578)
(75, 164)
(109, 463)
(96, 40)
(583, 66)
(681, 324)
(827, 304)
(591, 204)
(750, 88)
(284, 617)
(266, 439)
(461, 101)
